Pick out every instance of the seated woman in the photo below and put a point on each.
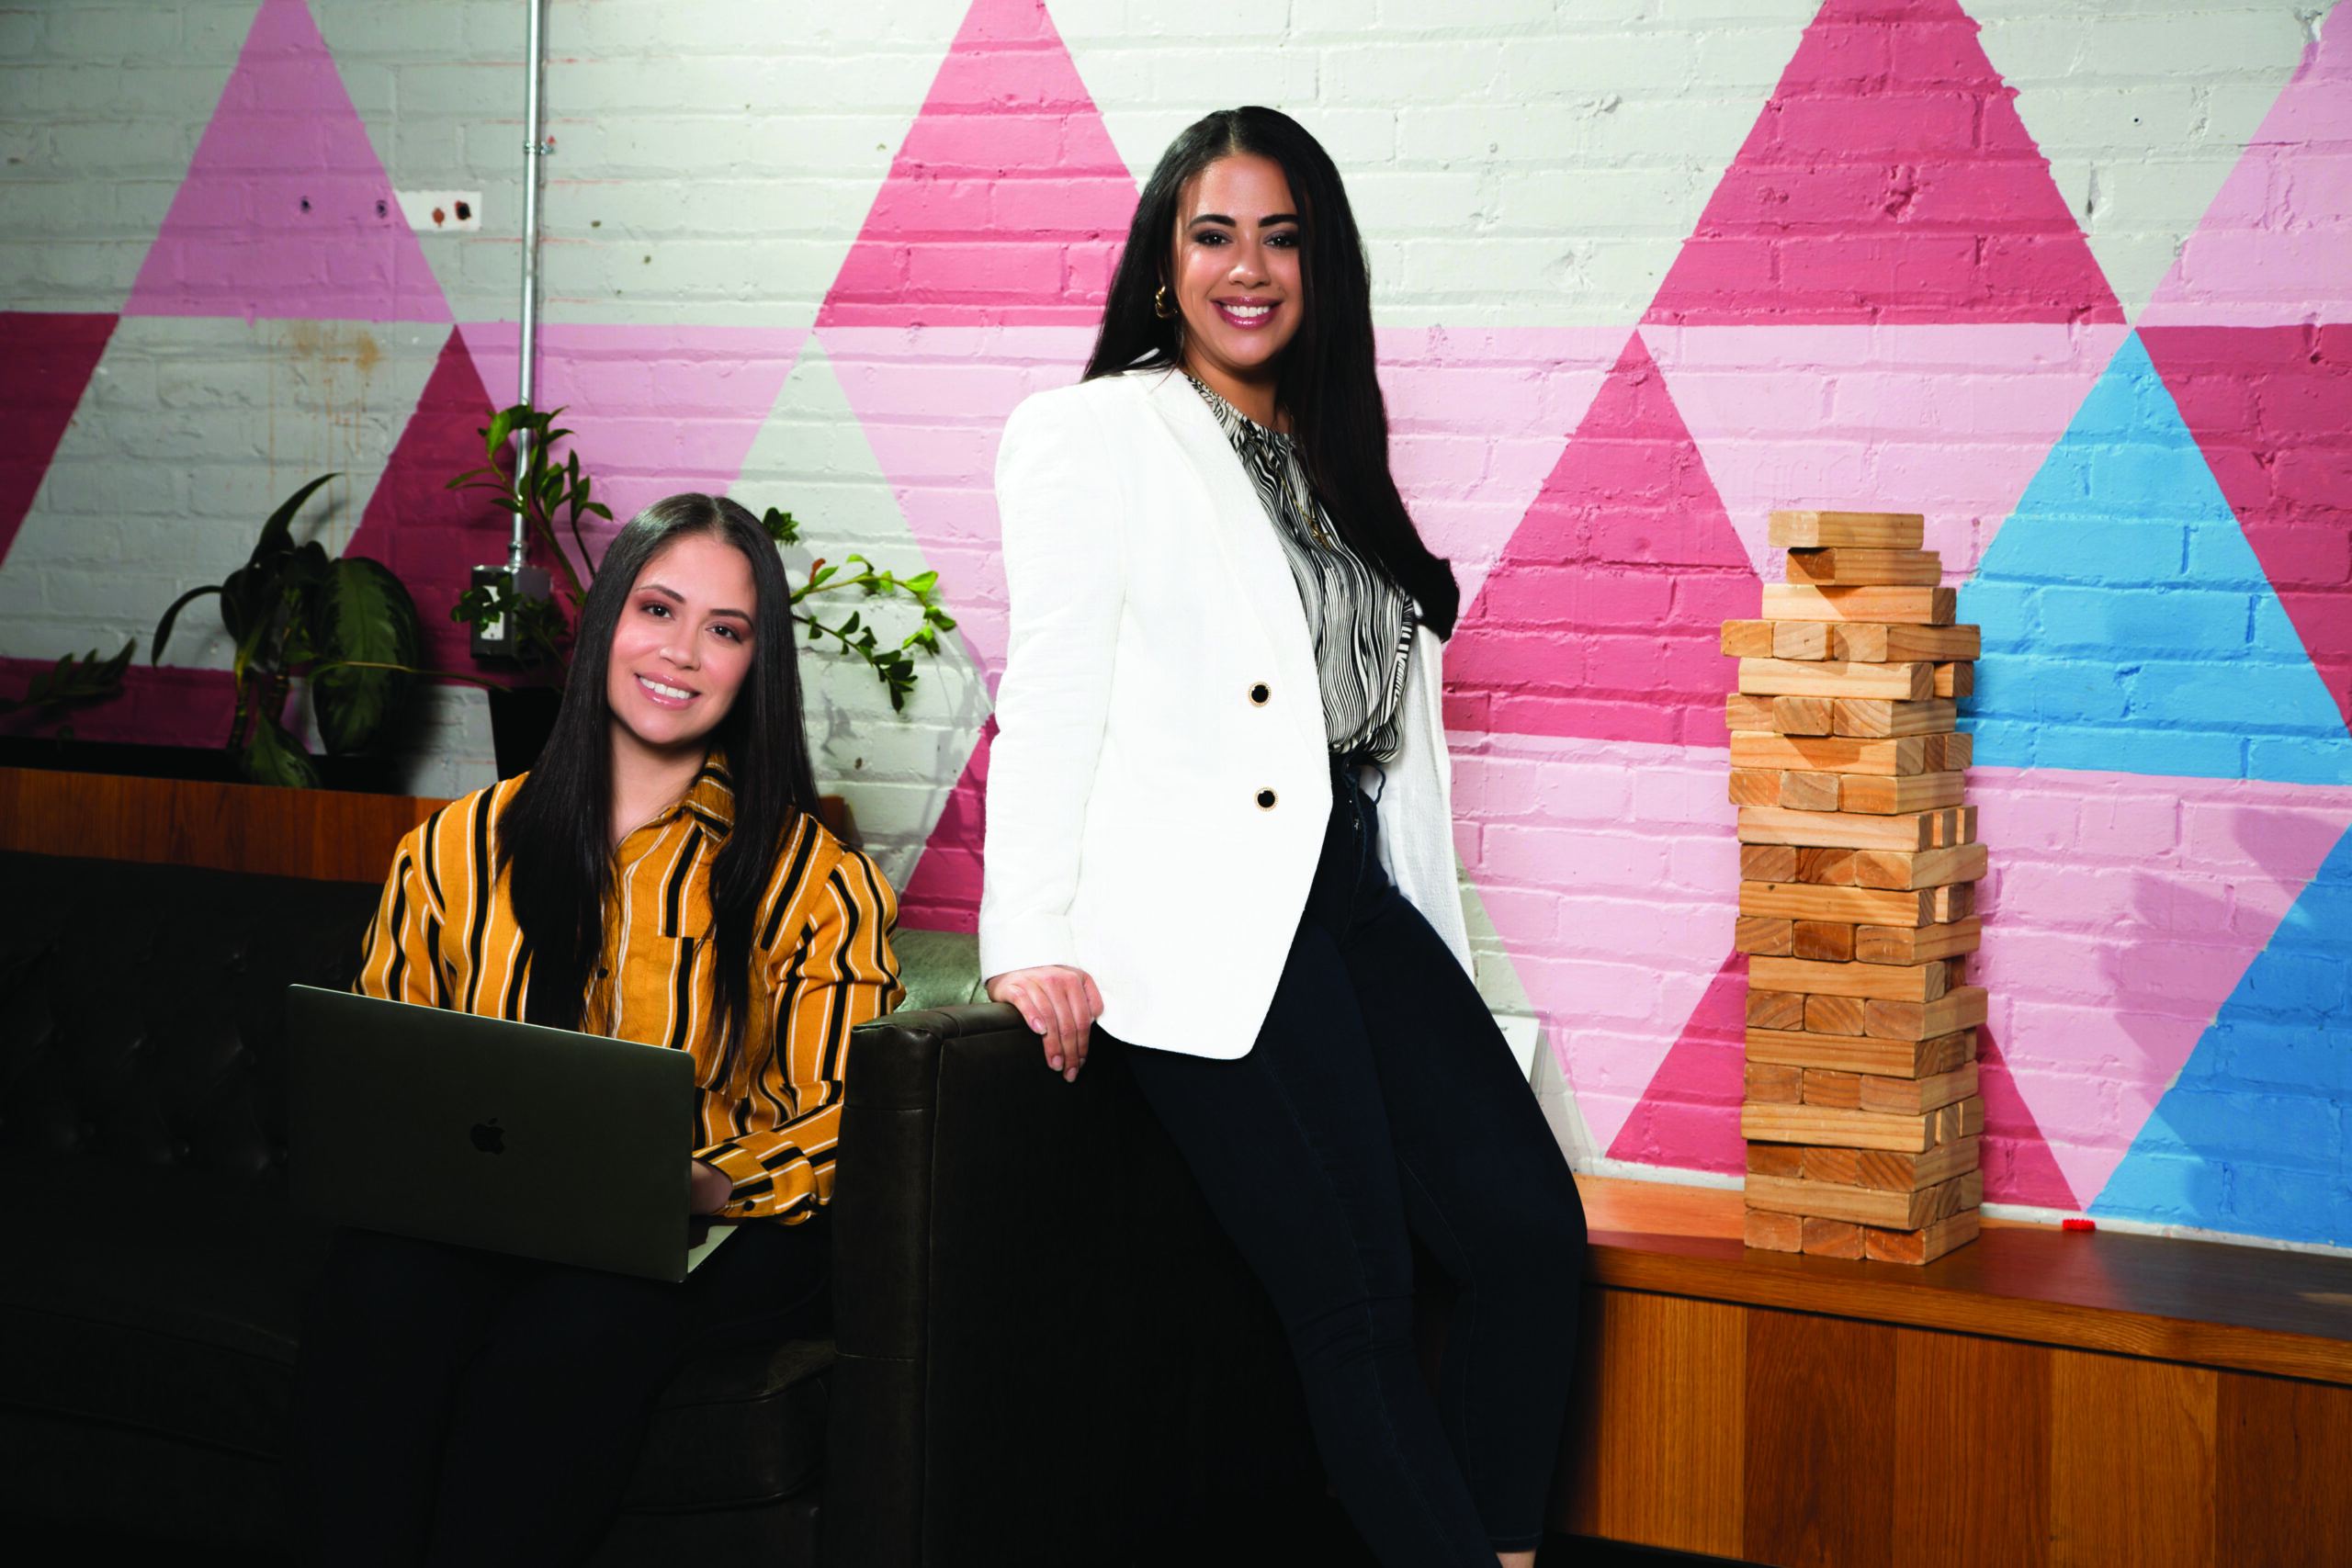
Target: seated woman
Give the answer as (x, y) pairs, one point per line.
(659, 876)
(1218, 822)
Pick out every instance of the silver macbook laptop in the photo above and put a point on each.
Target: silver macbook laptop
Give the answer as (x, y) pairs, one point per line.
(506, 1136)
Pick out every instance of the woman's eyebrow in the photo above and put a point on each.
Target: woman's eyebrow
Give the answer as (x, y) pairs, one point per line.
(675, 597)
(1268, 221)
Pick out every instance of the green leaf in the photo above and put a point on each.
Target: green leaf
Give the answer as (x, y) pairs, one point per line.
(273, 757)
(277, 533)
(922, 583)
(172, 615)
(364, 616)
(501, 426)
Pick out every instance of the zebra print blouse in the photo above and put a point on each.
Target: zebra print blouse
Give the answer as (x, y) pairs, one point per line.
(1362, 624)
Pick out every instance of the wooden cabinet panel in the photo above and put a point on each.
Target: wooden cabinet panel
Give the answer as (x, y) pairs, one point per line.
(1819, 1423)
(2284, 1493)
(2131, 1463)
(1653, 1451)
(1972, 1452)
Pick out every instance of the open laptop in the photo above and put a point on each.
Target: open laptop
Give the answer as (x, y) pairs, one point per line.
(511, 1137)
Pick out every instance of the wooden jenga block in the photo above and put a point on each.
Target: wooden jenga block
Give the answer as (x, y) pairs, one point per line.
(1917, 606)
(1962, 1008)
(1833, 1015)
(1882, 1168)
(1857, 565)
(1775, 1010)
(1755, 786)
(1923, 1245)
(1907, 944)
(1842, 1129)
(1885, 797)
(1869, 644)
(1827, 678)
(1804, 716)
(1794, 530)
(1906, 831)
(1920, 983)
(1901, 1097)
(1823, 865)
(1954, 680)
(1767, 862)
(1747, 639)
(1831, 1238)
(1769, 1231)
(1908, 870)
(1866, 1206)
(1763, 934)
(1798, 639)
(1768, 1084)
(1951, 902)
(1824, 941)
(1832, 753)
(1951, 752)
(1951, 828)
(1821, 1085)
(1855, 906)
(1775, 1159)
(1809, 792)
(1876, 1055)
(1743, 712)
(1884, 718)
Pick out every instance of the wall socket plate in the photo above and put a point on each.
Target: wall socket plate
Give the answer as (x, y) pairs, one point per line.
(441, 211)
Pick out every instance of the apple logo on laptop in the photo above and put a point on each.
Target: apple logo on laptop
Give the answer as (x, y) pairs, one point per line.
(489, 1137)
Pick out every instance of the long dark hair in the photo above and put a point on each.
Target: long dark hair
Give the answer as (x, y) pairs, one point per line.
(1327, 381)
(555, 837)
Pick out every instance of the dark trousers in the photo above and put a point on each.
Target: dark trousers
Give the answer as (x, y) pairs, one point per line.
(1381, 1104)
(457, 1406)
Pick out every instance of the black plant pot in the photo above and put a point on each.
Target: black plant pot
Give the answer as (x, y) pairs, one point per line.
(520, 720)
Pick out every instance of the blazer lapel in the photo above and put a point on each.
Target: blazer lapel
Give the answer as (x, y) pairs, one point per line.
(1236, 524)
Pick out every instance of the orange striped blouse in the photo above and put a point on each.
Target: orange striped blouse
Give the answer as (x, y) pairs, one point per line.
(445, 936)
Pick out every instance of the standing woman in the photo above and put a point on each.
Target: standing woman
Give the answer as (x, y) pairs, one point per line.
(659, 876)
(1219, 821)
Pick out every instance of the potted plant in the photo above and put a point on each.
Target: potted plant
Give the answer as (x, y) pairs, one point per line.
(536, 627)
(346, 623)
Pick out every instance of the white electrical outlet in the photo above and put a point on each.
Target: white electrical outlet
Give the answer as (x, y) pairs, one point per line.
(441, 211)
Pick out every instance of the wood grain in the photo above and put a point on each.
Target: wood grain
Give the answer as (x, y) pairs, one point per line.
(1863, 565)
(1826, 677)
(1920, 606)
(1885, 796)
(1798, 639)
(1874, 718)
(1653, 1455)
(1910, 834)
(1798, 530)
(1829, 753)
(1819, 1424)
(2283, 1495)
(1972, 1452)
(2131, 1463)
(1862, 643)
(1907, 870)
(1892, 982)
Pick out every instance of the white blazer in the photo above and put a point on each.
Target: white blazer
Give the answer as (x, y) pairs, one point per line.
(1160, 780)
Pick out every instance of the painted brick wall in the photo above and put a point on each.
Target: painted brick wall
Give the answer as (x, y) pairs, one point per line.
(2074, 279)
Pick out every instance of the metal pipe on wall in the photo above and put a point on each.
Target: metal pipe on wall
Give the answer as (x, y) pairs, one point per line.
(534, 151)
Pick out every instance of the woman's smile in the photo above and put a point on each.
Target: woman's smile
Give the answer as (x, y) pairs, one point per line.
(667, 696)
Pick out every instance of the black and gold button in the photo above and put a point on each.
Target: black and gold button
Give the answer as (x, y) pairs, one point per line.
(1265, 800)
(1260, 693)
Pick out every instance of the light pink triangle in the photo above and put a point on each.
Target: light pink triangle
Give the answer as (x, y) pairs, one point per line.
(1888, 178)
(1688, 1117)
(1006, 204)
(653, 410)
(1609, 871)
(287, 213)
(2275, 248)
(2121, 911)
(1950, 421)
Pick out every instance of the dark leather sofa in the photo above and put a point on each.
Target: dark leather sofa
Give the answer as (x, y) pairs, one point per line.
(1047, 1352)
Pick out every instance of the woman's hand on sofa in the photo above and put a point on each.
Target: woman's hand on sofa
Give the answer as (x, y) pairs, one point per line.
(1057, 1002)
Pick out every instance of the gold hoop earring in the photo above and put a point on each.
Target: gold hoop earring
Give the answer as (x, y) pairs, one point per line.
(1162, 306)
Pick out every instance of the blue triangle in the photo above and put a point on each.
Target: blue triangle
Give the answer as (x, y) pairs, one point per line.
(2251, 1138)
(2128, 626)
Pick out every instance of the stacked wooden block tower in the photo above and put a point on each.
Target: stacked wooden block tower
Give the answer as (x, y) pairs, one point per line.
(1858, 861)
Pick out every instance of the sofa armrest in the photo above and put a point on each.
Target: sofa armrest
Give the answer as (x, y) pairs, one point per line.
(1047, 1345)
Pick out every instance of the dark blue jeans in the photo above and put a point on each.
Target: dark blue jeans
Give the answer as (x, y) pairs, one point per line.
(1381, 1104)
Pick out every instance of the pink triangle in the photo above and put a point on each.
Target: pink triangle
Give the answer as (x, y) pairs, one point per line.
(1006, 204)
(2018, 1166)
(2121, 911)
(1950, 421)
(653, 410)
(944, 893)
(1603, 616)
(1608, 869)
(286, 212)
(428, 534)
(2276, 245)
(1888, 178)
(2271, 409)
(49, 357)
(1688, 1117)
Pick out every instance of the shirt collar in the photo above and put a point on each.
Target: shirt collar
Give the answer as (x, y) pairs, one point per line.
(712, 794)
